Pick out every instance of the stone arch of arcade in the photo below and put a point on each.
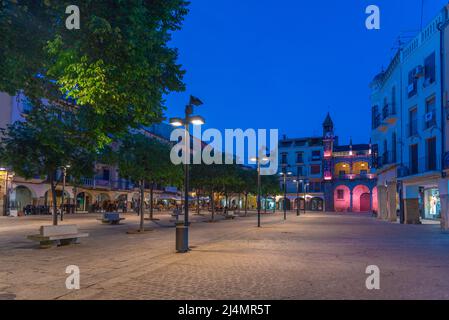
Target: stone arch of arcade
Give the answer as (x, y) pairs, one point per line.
(355, 196)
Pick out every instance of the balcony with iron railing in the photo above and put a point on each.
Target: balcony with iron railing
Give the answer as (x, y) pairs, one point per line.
(121, 184)
(422, 165)
(412, 128)
(354, 176)
(386, 158)
(387, 117)
(315, 158)
(385, 112)
(376, 121)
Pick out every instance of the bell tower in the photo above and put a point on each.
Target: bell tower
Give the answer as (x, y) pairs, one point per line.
(328, 146)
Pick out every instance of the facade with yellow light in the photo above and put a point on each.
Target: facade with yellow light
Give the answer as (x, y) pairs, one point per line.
(327, 176)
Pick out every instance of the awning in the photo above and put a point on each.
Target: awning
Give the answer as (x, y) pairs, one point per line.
(165, 196)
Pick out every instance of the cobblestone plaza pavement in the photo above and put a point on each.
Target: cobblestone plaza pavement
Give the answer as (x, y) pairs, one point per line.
(314, 256)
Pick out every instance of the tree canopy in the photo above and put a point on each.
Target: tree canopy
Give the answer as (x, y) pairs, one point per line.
(118, 64)
(45, 143)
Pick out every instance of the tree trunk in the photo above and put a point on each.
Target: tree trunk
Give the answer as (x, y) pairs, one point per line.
(53, 195)
(75, 191)
(142, 204)
(265, 204)
(226, 199)
(238, 203)
(246, 204)
(198, 202)
(212, 201)
(151, 200)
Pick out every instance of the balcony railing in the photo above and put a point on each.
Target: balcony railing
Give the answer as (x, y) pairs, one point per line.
(386, 158)
(376, 121)
(385, 111)
(121, 184)
(315, 158)
(420, 166)
(412, 128)
(353, 176)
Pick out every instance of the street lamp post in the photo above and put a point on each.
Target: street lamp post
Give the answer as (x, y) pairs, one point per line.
(64, 175)
(182, 232)
(258, 161)
(5, 205)
(297, 195)
(305, 194)
(285, 173)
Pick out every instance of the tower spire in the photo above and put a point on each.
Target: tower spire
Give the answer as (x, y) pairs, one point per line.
(328, 125)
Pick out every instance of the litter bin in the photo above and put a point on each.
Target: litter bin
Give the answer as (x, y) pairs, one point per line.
(182, 232)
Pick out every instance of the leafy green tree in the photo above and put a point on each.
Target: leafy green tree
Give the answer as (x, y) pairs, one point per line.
(269, 187)
(118, 65)
(144, 160)
(46, 142)
(210, 179)
(249, 181)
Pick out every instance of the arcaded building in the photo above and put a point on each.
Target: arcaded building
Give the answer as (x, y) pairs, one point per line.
(326, 176)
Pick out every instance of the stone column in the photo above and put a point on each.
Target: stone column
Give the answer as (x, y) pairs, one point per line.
(444, 201)
(391, 195)
(350, 202)
(382, 202)
(411, 205)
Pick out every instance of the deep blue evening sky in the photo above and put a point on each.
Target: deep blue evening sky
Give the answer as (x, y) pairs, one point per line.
(283, 64)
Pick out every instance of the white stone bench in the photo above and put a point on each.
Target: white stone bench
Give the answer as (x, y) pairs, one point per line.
(111, 218)
(230, 215)
(59, 235)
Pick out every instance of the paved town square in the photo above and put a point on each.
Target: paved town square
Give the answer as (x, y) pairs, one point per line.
(314, 256)
(241, 153)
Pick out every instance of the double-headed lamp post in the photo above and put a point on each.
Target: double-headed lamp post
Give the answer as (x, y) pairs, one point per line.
(259, 160)
(305, 185)
(64, 175)
(284, 174)
(182, 232)
(298, 181)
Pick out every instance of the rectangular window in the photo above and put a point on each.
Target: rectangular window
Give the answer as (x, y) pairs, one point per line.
(300, 170)
(412, 88)
(414, 159)
(315, 169)
(284, 158)
(430, 116)
(385, 111)
(316, 155)
(431, 156)
(340, 194)
(413, 122)
(315, 187)
(429, 69)
(299, 157)
(106, 174)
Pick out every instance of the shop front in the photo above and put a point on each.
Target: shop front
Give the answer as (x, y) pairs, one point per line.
(431, 204)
